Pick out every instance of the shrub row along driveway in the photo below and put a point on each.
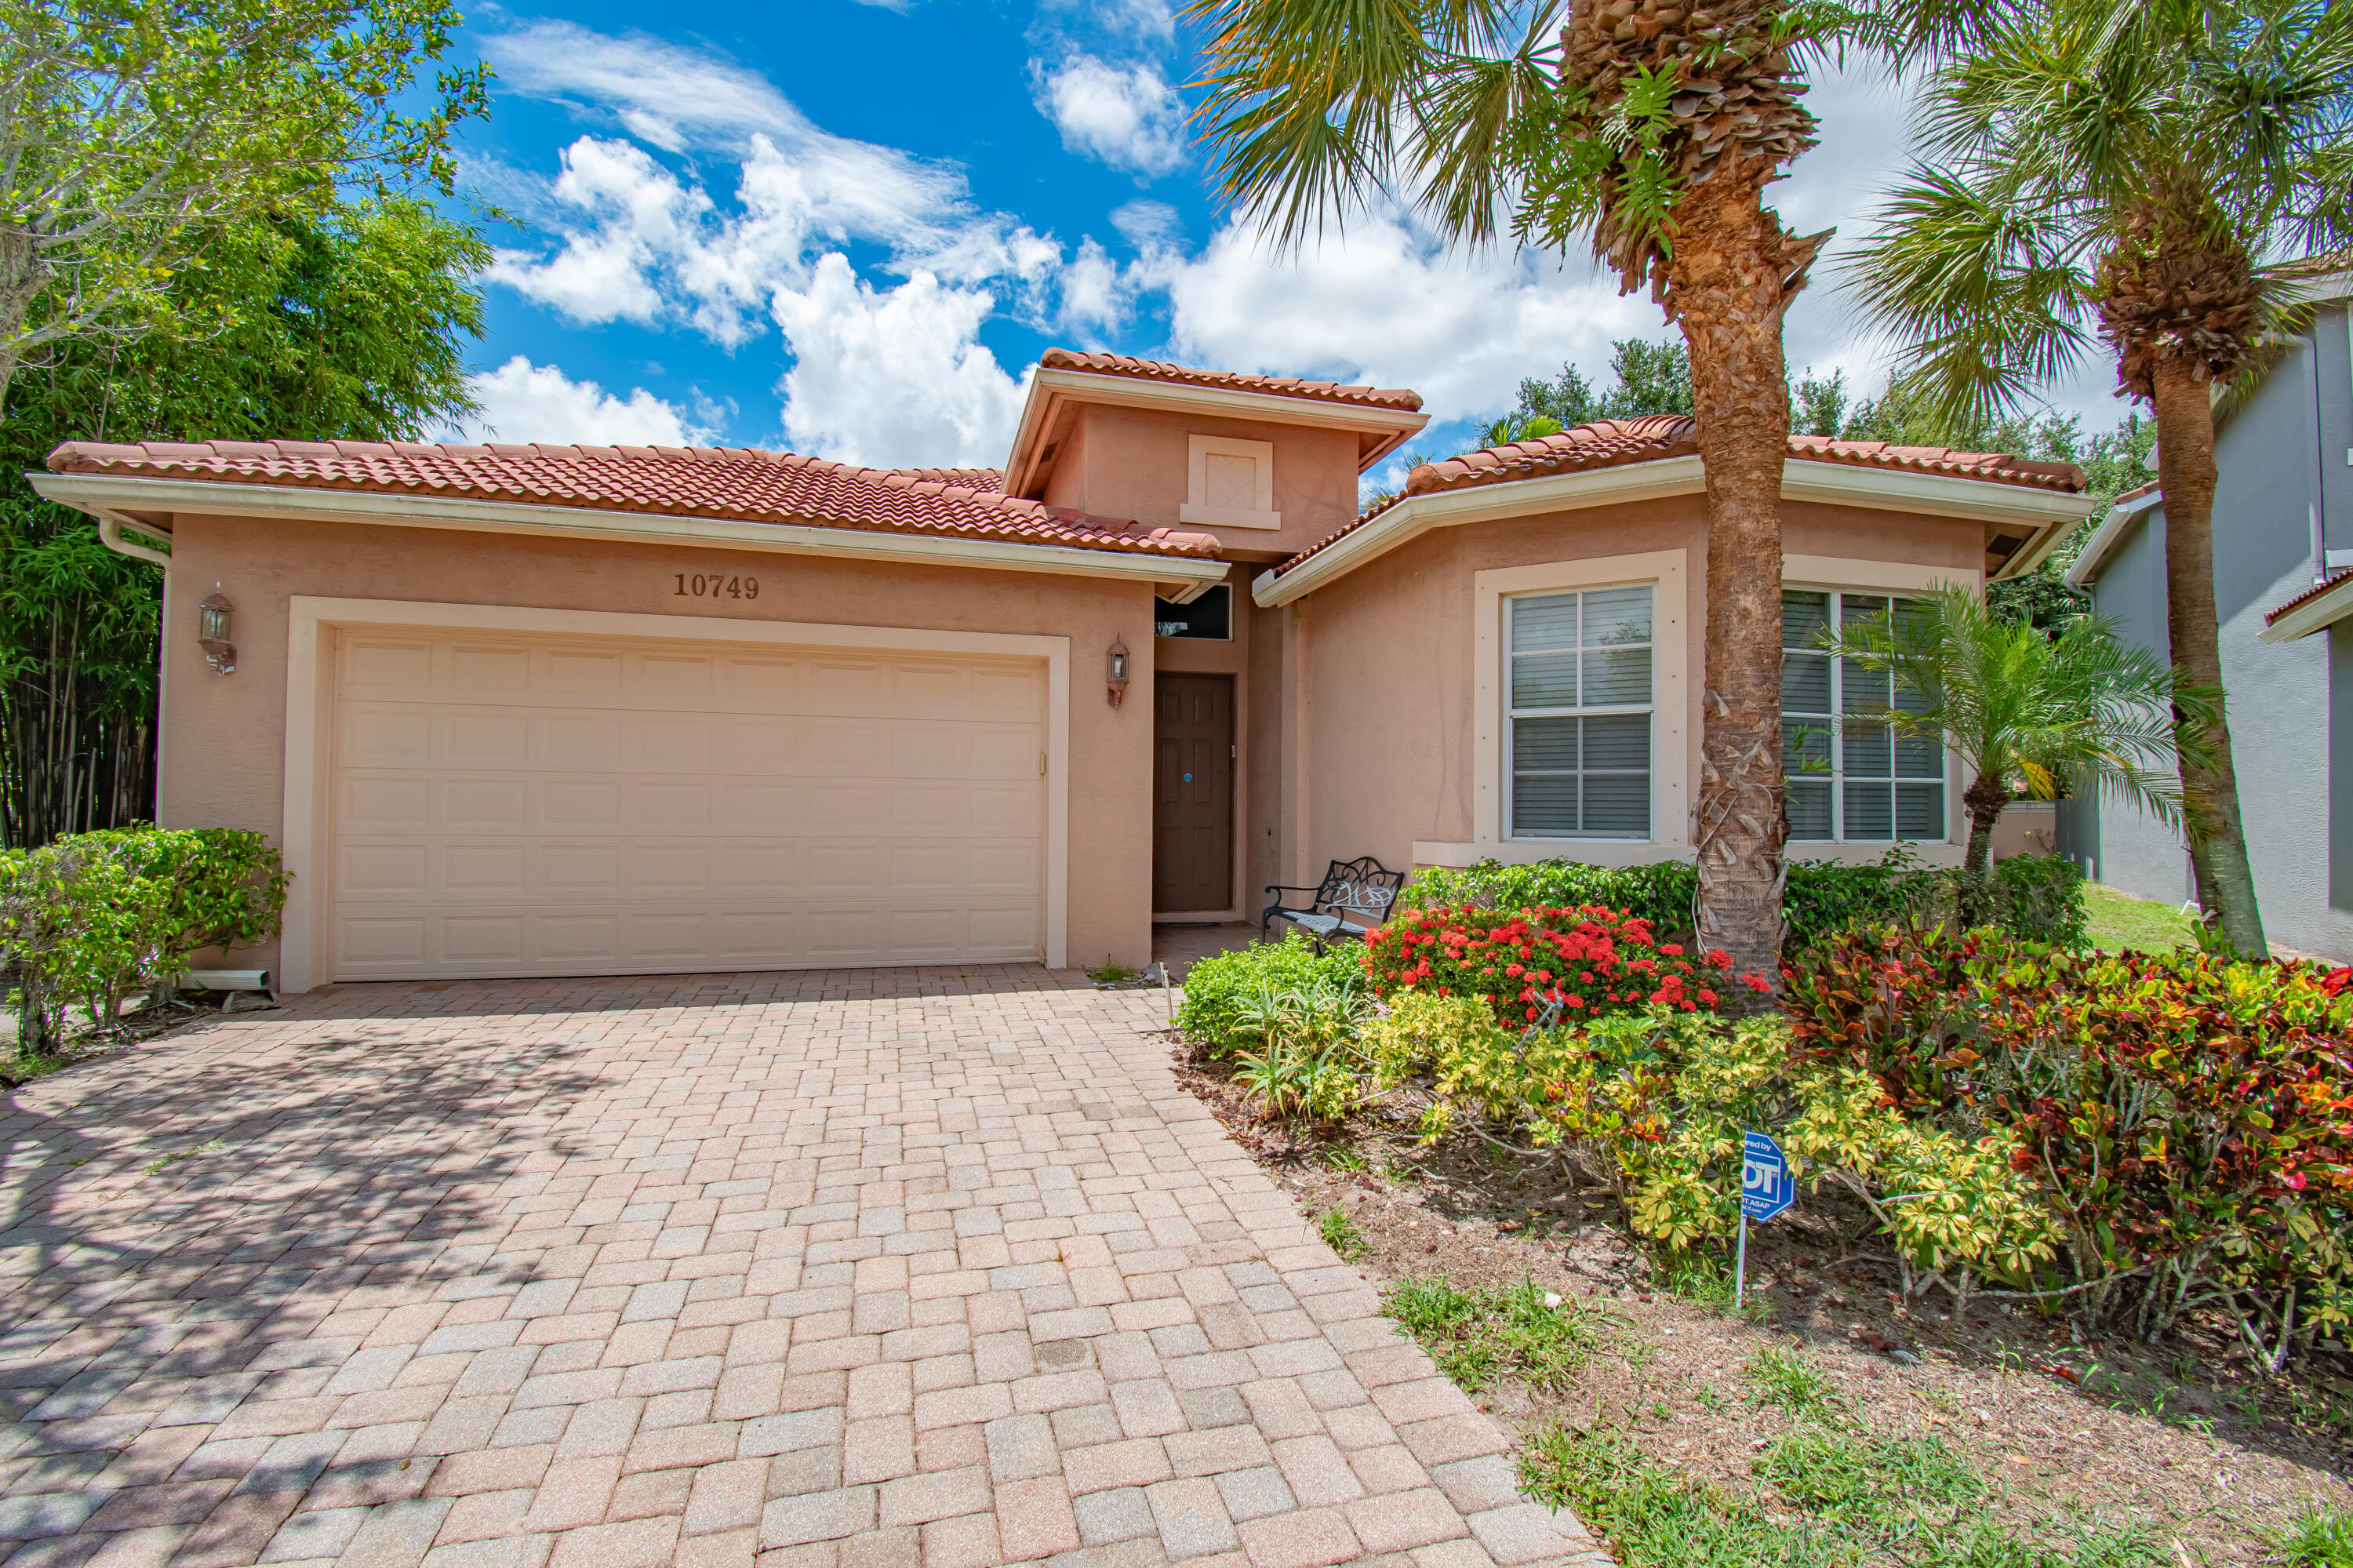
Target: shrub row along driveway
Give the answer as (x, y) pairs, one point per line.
(872, 1268)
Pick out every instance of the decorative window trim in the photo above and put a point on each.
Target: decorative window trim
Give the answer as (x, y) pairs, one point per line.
(1198, 450)
(1673, 718)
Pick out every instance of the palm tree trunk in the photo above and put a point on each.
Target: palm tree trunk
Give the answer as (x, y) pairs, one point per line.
(1984, 800)
(1729, 288)
(2185, 462)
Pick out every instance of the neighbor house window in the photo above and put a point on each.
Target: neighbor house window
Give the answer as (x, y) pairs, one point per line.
(1853, 778)
(1580, 701)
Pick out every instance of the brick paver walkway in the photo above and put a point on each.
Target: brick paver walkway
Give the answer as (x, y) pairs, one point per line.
(837, 1270)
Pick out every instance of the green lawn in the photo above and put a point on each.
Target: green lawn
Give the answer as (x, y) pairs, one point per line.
(2121, 921)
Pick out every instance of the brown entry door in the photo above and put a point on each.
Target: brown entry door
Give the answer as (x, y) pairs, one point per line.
(1193, 793)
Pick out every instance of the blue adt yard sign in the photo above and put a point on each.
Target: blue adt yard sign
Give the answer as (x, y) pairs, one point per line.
(1767, 1188)
(1766, 1185)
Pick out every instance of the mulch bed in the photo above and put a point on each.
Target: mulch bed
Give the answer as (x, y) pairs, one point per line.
(2186, 1435)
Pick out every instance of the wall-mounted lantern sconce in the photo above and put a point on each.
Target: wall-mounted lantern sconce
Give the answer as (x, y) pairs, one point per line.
(212, 632)
(1117, 679)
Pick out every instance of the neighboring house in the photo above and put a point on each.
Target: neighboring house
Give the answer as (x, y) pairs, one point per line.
(524, 711)
(2283, 590)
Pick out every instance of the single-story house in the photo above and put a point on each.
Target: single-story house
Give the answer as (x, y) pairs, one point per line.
(2284, 599)
(537, 710)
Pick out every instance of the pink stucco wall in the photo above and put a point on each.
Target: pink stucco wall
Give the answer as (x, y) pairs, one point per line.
(1385, 723)
(1131, 463)
(223, 758)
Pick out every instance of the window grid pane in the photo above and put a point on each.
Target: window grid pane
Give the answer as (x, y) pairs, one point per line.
(1581, 682)
(1849, 776)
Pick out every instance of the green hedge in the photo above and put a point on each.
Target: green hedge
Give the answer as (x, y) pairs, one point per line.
(88, 918)
(1219, 987)
(2036, 897)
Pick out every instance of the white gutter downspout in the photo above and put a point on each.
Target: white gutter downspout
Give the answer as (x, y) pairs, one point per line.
(110, 534)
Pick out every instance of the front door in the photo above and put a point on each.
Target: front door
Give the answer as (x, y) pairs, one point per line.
(1193, 793)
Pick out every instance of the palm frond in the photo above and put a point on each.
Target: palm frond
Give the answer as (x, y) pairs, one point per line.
(2032, 711)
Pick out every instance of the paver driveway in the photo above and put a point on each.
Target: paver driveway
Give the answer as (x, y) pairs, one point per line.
(823, 1270)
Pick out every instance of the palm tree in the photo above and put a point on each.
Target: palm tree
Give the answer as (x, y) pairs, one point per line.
(2027, 711)
(1518, 426)
(2128, 169)
(1650, 128)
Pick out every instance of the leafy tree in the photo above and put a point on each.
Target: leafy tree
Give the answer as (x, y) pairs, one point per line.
(133, 132)
(347, 326)
(1646, 378)
(2029, 712)
(2126, 168)
(1821, 406)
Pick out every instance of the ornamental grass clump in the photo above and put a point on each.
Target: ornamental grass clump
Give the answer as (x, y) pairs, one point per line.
(1585, 961)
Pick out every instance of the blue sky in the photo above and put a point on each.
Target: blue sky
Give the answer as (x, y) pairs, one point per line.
(848, 229)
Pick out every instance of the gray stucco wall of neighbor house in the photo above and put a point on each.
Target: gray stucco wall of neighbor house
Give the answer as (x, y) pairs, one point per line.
(2275, 474)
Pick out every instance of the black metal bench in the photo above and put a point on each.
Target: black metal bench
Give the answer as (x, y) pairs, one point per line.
(1355, 897)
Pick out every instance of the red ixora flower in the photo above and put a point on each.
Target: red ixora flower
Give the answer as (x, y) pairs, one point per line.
(1756, 983)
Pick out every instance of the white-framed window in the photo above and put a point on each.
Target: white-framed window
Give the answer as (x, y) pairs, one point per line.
(1851, 777)
(1580, 690)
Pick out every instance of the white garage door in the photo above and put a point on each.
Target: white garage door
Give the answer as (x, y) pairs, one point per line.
(512, 805)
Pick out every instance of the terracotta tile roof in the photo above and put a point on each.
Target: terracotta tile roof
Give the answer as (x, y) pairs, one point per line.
(1612, 443)
(737, 483)
(987, 479)
(2334, 579)
(2133, 495)
(1280, 386)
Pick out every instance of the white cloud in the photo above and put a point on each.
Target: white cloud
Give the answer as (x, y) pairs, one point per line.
(523, 402)
(893, 378)
(1389, 302)
(678, 98)
(1096, 293)
(1147, 225)
(1129, 118)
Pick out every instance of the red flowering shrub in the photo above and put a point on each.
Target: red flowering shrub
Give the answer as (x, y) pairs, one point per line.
(1593, 961)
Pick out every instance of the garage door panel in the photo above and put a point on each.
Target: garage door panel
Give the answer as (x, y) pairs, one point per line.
(551, 806)
(838, 685)
(383, 868)
(756, 808)
(496, 671)
(580, 868)
(393, 666)
(381, 943)
(484, 868)
(367, 802)
(670, 805)
(591, 742)
(374, 735)
(1005, 868)
(579, 939)
(758, 744)
(576, 673)
(767, 870)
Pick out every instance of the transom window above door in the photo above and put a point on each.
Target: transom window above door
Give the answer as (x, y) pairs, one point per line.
(1851, 777)
(1580, 701)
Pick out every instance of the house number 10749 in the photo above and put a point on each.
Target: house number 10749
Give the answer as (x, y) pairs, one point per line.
(695, 585)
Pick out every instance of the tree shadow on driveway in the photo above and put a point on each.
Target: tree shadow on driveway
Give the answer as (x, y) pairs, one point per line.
(175, 1211)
